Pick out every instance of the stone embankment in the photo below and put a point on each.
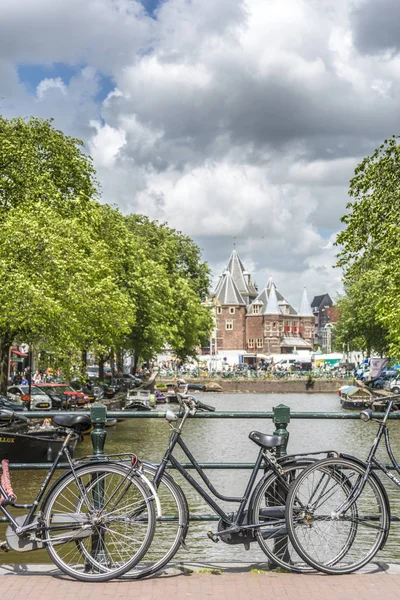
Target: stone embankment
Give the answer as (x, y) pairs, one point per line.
(273, 386)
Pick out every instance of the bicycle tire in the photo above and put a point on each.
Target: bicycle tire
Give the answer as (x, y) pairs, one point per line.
(169, 533)
(273, 539)
(82, 500)
(330, 544)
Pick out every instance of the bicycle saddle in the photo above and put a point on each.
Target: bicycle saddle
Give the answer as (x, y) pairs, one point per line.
(266, 440)
(77, 422)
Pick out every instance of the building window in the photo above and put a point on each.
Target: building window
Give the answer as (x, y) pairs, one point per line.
(250, 343)
(229, 325)
(294, 323)
(256, 309)
(259, 343)
(219, 310)
(231, 310)
(274, 324)
(217, 324)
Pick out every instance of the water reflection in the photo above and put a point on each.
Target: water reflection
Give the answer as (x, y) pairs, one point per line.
(226, 440)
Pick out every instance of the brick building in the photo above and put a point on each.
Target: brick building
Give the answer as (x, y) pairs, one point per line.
(256, 322)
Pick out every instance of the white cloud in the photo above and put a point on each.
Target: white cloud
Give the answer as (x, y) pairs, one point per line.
(228, 118)
(49, 84)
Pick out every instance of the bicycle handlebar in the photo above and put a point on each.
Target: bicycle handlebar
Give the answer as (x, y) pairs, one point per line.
(203, 406)
(195, 386)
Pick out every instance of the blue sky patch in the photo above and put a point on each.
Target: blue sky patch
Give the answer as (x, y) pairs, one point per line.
(151, 6)
(32, 75)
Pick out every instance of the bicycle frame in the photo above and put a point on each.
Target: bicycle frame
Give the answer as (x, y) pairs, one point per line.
(28, 525)
(239, 516)
(372, 461)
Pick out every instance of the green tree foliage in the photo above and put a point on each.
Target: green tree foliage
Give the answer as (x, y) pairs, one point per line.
(79, 275)
(172, 312)
(370, 252)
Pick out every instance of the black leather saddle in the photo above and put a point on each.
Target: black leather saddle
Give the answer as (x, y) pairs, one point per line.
(266, 440)
(77, 422)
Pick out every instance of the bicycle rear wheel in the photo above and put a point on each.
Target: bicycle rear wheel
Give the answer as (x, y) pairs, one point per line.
(268, 509)
(98, 522)
(328, 541)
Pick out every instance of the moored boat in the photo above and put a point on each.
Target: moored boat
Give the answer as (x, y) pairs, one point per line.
(137, 399)
(354, 397)
(33, 446)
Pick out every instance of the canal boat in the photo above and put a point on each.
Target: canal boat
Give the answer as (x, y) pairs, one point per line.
(33, 445)
(160, 398)
(354, 397)
(111, 421)
(138, 399)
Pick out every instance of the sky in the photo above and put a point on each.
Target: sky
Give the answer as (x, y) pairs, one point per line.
(233, 121)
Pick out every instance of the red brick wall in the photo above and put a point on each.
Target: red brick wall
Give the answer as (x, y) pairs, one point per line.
(231, 339)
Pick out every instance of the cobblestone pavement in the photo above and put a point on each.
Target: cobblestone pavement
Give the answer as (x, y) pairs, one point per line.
(19, 583)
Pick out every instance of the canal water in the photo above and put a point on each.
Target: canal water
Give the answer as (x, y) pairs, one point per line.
(226, 440)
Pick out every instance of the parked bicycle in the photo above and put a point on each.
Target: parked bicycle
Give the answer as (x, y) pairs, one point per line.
(88, 519)
(337, 511)
(260, 513)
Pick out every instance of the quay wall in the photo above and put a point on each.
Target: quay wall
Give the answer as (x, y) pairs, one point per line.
(260, 386)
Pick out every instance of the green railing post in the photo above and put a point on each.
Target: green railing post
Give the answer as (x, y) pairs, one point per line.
(98, 415)
(282, 419)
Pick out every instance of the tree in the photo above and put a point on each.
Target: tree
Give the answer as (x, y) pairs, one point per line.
(370, 255)
(57, 282)
(170, 310)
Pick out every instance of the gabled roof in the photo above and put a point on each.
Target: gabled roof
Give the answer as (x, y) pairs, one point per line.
(323, 300)
(305, 309)
(227, 292)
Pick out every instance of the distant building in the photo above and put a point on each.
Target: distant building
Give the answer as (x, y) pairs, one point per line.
(253, 322)
(326, 315)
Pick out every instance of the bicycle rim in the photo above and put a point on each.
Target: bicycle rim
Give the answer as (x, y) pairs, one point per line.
(273, 538)
(99, 524)
(330, 543)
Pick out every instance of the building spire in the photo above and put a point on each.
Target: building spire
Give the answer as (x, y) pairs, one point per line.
(305, 309)
(272, 307)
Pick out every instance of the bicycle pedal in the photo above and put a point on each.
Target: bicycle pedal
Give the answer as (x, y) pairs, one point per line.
(214, 538)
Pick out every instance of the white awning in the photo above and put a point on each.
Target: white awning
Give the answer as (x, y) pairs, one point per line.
(295, 341)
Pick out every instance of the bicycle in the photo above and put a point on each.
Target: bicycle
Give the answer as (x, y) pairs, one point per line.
(337, 510)
(88, 519)
(260, 515)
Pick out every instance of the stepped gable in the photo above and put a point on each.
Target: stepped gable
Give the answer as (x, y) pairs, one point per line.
(305, 309)
(227, 292)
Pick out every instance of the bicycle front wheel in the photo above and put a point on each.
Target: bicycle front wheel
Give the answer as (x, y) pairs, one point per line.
(98, 522)
(329, 539)
(268, 515)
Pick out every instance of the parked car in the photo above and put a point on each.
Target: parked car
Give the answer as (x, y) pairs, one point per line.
(16, 406)
(302, 365)
(378, 382)
(394, 386)
(285, 363)
(132, 379)
(63, 395)
(37, 400)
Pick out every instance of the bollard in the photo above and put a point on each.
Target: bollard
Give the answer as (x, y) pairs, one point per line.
(282, 419)
(98, 415)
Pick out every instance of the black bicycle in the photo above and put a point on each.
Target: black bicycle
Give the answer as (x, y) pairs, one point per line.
(260, 513)
(337, 510)
(88, 520)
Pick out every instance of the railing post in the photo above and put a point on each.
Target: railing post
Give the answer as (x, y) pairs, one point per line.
(282, 419)
(98, 415)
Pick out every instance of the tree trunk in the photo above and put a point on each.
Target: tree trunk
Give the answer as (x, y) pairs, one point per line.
(5, 344)
(84, 364)
(101, 368)
(120, 360)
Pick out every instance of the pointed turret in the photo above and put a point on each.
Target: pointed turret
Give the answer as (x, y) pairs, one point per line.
(272, 307)
(227, 292)
(305, 309)
(236, 268)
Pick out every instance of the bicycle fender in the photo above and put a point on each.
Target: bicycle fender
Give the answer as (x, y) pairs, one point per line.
(153, 468)
(363, 464)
